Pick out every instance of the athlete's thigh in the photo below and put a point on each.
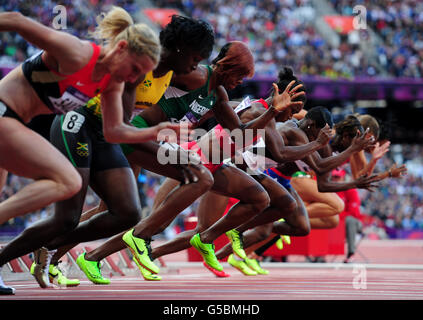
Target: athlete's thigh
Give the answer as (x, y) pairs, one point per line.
(306, 188)
(26, 153)
(235, 183)
(147, 159)
(117, 188)
(275, 190)
(308, 191)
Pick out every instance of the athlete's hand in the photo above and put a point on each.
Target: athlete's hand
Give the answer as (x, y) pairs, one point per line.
(397, 172)
(366, 182)
(379, 150)
(284, 100)
(325, 134)
(173, 132)
(361, 142)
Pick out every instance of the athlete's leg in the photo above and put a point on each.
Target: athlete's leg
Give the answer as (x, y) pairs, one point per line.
(323, 207)
(101, 207)
(174, 202)
(30, 155)
(295, 223)
(165, 189)
(210, 209)
(282, 205)
(123, 203)
(235, 183)
(41, 232)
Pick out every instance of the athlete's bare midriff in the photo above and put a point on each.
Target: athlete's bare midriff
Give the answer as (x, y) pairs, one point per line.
(18, 95)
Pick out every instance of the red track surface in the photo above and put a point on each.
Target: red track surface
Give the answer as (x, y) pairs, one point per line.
(286, 281)
(196, 283)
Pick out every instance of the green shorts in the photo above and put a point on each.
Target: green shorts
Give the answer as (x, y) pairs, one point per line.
(138, 122)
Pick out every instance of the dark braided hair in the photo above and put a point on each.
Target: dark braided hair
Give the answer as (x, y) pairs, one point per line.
(188, 32)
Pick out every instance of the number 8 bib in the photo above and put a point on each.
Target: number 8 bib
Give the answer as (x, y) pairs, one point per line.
(73, 122)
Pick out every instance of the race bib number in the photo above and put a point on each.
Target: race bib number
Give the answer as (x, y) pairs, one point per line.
(73, 122)
(245, 104)
(189, 118)
(70, 100)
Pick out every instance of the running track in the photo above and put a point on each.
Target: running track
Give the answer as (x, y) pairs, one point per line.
(394, 271)
(283, 283)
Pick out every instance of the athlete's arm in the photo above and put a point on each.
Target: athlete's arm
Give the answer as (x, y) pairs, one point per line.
(282, 153)
(69, 52)
(322, 165)
(114, 128)
(227, 117)
(324, 183)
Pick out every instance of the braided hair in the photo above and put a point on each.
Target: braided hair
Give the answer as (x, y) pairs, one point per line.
(188, 32)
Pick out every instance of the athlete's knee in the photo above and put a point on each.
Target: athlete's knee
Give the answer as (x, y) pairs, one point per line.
(303, 228)
(338, 206)
(331, 222)
(129, 216)
(69, 184)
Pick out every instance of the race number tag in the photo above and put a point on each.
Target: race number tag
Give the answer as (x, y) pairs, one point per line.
(73, 122)
(71, 99)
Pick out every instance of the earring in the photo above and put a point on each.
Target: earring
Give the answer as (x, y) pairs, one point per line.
(177, 50)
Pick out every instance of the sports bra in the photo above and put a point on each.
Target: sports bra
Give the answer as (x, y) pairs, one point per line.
(63, 93)
(151, 89)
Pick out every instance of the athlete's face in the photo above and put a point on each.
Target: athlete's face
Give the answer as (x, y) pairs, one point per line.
(135, 66)
(128, 67)
(185, 60)
(231, 81)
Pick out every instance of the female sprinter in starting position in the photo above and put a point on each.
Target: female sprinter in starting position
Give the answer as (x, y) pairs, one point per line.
(63, 77)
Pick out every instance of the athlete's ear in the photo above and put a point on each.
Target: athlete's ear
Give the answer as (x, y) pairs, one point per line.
(122, 44)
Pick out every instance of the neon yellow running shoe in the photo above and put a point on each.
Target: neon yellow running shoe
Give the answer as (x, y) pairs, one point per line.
(91, 270)
(140, 251)
(147, 275)
(237, 245)
(241, 266)
(281, 240)
(56, 276)
(255, 265)
(207, 252)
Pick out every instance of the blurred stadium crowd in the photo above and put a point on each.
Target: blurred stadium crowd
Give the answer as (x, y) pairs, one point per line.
(280, 32)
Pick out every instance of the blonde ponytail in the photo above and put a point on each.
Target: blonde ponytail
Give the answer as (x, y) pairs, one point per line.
(118, 25)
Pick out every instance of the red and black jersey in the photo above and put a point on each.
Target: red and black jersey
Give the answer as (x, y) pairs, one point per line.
(63, 93)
